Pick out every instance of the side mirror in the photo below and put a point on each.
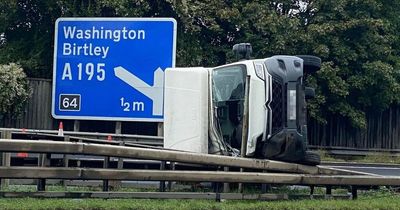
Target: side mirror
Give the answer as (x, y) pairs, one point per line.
(309, 93)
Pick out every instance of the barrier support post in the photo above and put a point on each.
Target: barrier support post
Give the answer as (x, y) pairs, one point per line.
(5, 158)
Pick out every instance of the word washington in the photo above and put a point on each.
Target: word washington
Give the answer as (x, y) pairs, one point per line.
(71, 32)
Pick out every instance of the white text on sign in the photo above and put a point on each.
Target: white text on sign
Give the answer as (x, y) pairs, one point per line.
(88, 71)
(135, 106)
(96, 34)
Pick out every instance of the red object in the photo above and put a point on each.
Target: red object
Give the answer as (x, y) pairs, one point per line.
(61, 129)
(22, 154)
(23, 130)
(109, 138)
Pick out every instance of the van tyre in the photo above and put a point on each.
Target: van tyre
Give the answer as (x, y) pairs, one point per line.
(311, 63)
(312, 158)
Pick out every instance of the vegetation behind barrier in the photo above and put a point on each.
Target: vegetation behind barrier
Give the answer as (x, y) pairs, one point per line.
(14, 90)
(358, 41)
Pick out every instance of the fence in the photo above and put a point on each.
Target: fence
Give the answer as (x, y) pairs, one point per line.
(383, 132)
(37, 113)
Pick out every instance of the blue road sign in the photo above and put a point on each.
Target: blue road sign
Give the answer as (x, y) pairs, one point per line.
(111, 68)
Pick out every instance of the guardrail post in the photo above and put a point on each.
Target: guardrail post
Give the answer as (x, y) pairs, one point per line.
(226, 188)
(160, 129)
(162, 183)
(171, 167)
(65, 161)
(118, 127)
(116, 184)
(43, 161)
(265, 187)
(328, 192)
(217, 191)
(160, 132)
(105, 165)
(77, 125)
(312, 191)
(121, 160)
(5, 157)
(354, 192)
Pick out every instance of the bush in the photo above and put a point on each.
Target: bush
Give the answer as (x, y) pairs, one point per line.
(14, 90)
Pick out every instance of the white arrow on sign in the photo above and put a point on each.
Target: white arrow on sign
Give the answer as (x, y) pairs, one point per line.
(155, 92)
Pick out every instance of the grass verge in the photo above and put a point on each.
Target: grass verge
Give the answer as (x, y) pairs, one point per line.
(372, 200)
(378, 157)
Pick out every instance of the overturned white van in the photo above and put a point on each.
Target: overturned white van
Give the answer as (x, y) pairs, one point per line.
(254, 108)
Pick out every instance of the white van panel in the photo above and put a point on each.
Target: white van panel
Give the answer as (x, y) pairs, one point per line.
(186, 109)
(257, 100)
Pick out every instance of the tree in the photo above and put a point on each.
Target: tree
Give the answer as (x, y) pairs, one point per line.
(360, 73)
(14, 90)
(358, 41)
(27, 27)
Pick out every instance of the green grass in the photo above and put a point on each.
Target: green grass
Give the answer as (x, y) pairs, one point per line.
(378, 157)
(380, 200)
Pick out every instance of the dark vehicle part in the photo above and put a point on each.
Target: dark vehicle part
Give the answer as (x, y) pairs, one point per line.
(312, 158)
(309, 93)
(311, 63)
(286, 145)
(285, 137)
(242, 51)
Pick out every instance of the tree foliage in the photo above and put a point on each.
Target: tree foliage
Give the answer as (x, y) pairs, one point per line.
(358, 41)
(14, 90)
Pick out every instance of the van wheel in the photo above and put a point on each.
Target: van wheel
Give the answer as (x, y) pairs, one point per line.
(312, 158)
(311, 63)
